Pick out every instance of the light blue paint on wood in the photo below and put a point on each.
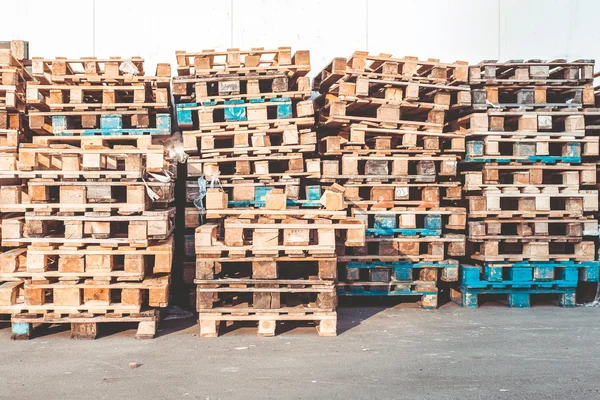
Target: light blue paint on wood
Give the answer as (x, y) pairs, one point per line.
(572, 149)
(313, 192)
(475, 148)
(567, 299)
(163, 125)
(111, 121)
(261, 192)
(184, 115)
(519, 300)
(433, 222)
(235, 113)
(283, 110)
(59, 125)
(384, 222)
(519, 274)
(21, 329)
(492, 273)
(402, 273)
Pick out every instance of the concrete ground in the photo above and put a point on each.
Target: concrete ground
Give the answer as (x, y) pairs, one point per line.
(493, 352)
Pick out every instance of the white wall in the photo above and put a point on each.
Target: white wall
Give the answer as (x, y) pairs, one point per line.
(446, 29)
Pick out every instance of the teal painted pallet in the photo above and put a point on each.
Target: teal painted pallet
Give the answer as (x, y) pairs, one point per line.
(517, 298)
(400, 271)
(111, 124)
(429, 295)
(313, 194)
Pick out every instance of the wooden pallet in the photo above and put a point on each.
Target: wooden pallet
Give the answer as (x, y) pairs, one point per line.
(57, 97)
(295, 237)
(93, 296)
(90, 228)
(384, 66)
(84, 325)
(555, 97)
(105, 122)
(411, 221)
(421, 274)
(288, 267)
(187, 89)
(409, 248)
(532, 72)
(94, 70)
(361, 139)
(255, 141)
(14, 77)
(537, 174)
(325, 321)
(425, 292)
(420, 168)
(496, 250)
(242, 62)
(90, 261)
(523, 229)
(261, 167)
(260, 294)
(531, 201)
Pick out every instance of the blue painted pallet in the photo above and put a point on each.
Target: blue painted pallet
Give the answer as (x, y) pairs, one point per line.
(386, 225)
(313, 194)
(524, 274)
(517, 298)
(542, 159)
(112, 125)
(400, 270)
(525, 152)
(235, 110)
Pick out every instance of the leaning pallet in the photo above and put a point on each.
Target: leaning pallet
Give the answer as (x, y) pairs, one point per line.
(530, 182)
(383, 141)
(92, 221)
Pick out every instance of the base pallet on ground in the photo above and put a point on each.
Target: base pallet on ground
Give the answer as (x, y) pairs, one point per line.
(427, 291)
(517, 298)
(84, 325)
(325, 321)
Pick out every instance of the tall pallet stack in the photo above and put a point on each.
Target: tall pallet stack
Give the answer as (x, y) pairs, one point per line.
(382, 139)
(530, 179)
(95, 242)
(265, 233)
(13, 131)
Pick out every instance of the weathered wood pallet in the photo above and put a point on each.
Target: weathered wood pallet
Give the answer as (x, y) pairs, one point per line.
(85, 157)
(264, 293)
(91, 295)
(413, 249)
(255, 141)
(47, 195)
(368, 194)
(357, 87)
(90, 261)
(496, 250)
(84, 325)
(531, 148)
(364, 140)
(337, 114)
(288, 267)
(545, 121)
(521, 72)
(422, 274)
(411, 221)
(223, 87)
(517, 298)
(555, 97)
(531, 201)
(538, 174)
(270, 238)
(89, 228)
(91, 122)
(426, 292)
(384, 66)
(524, 274)
(419, 168)
(261, 167)
(523, 229)
(236, 61)
(92, 70)
(92, 97)
(325, 321)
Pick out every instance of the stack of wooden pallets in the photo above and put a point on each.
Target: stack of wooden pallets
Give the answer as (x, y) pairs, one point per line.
(94, 238)
(382, 140)
(265, 236)
(530, 179)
